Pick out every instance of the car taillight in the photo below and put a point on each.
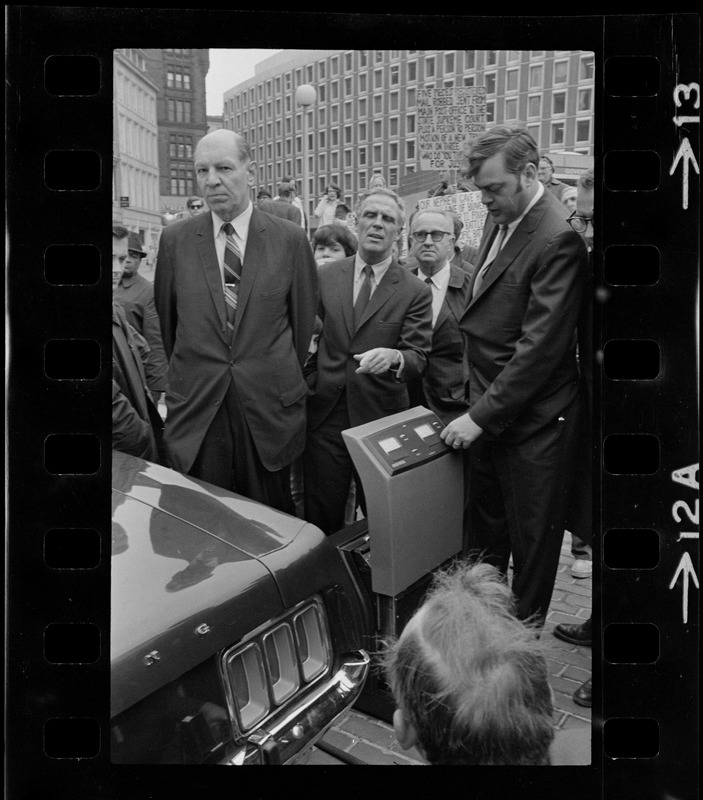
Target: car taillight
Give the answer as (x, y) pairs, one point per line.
(273, 665)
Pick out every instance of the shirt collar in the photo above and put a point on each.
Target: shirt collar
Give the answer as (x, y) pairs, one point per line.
(440, 277)
(540, 191)
(239, 223)
(379, 270)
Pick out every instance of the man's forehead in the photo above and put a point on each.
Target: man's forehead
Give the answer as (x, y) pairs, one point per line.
(433, 218)
(379, 202)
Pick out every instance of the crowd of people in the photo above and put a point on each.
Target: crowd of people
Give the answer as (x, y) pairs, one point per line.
(266, 341)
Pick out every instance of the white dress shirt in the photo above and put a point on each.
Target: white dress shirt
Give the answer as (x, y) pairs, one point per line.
(438, 283)
(241, 233)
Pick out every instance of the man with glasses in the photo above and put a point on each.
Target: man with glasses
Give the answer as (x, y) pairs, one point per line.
(195, 206)
(524, 395)
(376, 330)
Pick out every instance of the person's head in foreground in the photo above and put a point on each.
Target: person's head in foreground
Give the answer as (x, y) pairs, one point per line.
(469, 679)
(333, 243)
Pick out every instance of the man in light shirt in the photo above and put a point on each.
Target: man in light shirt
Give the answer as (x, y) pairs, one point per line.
(236, 293)
(376, 329)
(525, 400)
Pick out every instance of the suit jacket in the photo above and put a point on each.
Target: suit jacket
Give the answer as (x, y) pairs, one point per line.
(398, 315)
(280, 208)
(136, 425)
(521, 325)
(273, 323)
(136, 296)
(443, 387)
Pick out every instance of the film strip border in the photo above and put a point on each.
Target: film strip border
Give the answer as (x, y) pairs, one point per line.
(646, 598)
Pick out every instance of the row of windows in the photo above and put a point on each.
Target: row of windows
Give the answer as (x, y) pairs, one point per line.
(133, 96)
(177, 79)
(180, 146)
(430, 67)
(135, 56)
(390, 101)
(182, 181)
(140, 186)
(137, 141)
(180, 111)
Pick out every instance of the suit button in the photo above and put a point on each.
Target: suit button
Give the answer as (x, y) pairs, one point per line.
(217, 402)
(232, 363)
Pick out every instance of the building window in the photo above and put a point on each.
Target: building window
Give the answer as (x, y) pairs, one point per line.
(393, 176)
(362, 131)
(448, 84)
(429, 67)
(334, 66)
(536, 76)
(378, 104)
(511, 108)
(410, 149)
(395, 75)
(491, 111)
(378, 129)
(512, 80)
(561, 71)
(393, 151)
(378, 79)
(347, 158)
(322, 161)
(363, 58)
(448, 63)
(348, 134)
(362, 180)
(534, 105)
(513, 56)
(412, 70)
(469, 80)
(583, 130)
(347, 62)
(321, 94)
(557, 133)
(334, 137)
(490, 83)
(410, 95)
(362, 82)
(377, 150)
(410, 122)
(335, 90)
(491, 58)
(348, 110)
(334, 114)
(348, 87)
(559, 103)
(536, 53)
(361, 156)
(363, 107)
(394, 126)
(586, 68)
(334, 160)
(534, 132)
(393, 101)
(322, 137)
(379, 56)
(585, 100)
(321, 70)
(469, 59)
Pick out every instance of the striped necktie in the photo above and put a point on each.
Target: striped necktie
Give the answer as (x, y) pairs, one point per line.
(233, 273)
(363, 296)
(490, 258)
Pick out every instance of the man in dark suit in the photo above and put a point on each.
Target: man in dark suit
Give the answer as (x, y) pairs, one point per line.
(236, 292)
(376, 329)
(136, 425)
(136, 296)
(282, 206)
(442, 388)
(545, 173)
(525, 403)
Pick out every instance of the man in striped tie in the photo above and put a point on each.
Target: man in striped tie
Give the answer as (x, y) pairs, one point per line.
(236, 291)
(525, 403)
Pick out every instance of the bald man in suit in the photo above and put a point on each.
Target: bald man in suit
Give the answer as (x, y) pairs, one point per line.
(236, 291)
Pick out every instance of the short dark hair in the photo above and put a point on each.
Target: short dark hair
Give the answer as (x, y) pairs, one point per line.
(194, 199)
(285, 189)
(587, 180)
(335, 234)
(263, 193)
(119, 231)
(470, 676)
(514, 141)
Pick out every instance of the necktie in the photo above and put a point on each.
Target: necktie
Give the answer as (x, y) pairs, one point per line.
(490, 258)
(363, 296)
(428, 280)
(233, 273)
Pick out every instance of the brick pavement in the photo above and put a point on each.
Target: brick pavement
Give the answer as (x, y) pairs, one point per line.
(373, 741)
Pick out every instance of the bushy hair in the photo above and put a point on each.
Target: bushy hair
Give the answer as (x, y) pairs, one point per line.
(335, 234)
(514, 141)
(470, 676)
(384, 193)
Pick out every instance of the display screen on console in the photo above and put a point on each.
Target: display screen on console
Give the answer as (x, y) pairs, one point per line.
(425, 430)
(389, 445)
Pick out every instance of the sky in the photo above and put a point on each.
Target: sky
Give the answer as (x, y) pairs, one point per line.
(227, 69)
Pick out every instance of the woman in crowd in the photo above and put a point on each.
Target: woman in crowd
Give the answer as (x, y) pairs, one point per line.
(327, 207)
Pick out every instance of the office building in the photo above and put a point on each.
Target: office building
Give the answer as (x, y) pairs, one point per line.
(364, 117)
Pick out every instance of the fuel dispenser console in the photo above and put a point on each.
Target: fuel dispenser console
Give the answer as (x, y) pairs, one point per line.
(414, 489)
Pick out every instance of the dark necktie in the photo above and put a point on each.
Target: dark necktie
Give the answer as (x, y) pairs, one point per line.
(490, 258)
(233, 273)
(363, 296)
(428, 280)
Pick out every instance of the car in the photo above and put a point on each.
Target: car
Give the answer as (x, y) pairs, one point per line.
(236, 630)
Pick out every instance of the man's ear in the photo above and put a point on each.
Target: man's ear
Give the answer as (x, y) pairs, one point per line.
(405, 731)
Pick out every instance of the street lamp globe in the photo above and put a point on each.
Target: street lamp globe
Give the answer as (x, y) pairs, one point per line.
(305, 95)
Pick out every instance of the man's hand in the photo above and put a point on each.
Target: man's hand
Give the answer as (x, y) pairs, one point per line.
(378, 360)
(461, 432)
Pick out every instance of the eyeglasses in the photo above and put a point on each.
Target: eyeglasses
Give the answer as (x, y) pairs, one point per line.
(437, 236)
(197, 205)
(579, 223)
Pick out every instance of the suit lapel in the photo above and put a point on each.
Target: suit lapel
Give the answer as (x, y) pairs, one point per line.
(455, 299)
(250, 265)
(211, 267)
(345, 286)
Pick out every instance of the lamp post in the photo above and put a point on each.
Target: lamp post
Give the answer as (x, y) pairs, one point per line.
(305, 96)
